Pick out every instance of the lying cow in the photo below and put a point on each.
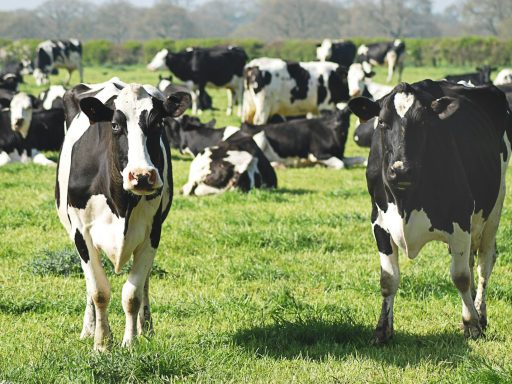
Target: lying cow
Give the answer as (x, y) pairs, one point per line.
(391, 53)
(201, 67)
(340, 52)
(275, 86)
(436, 171)
(480, 77)
(319, 140)
(53, 54)
(191, 136)
(114, 190)
(236, 163)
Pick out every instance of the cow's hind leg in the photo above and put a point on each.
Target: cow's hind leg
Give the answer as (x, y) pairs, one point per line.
(70, 73)
(133, 289)
(89, 324)
(389, 281)
(461, 276)
(229, 110)
(145, 326)
(486, 260)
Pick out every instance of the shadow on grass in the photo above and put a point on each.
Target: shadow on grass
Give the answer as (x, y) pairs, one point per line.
(316, 340)
(296, 191)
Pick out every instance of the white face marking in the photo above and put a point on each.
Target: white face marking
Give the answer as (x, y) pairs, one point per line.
(356, 79)
(229, 131)
(398, 165)
(53, 92)
(162, 84)
(403, 101)
(158, 62)
(397, 42)
(362, 50)
(21, 113)
(132, 101)
(324, 51)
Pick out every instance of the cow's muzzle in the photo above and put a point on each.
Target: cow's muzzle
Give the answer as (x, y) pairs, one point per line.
(144, 181)
(400, 175)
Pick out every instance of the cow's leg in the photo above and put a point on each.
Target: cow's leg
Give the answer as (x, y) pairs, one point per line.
(239, 95)
(486, 260)
(89, 324)
(391, 58)
(145, 326)
(81, 72)
(70, 72)
(98, 291)
(460, 244)
(333, 162)
(400, 69)
(472, 256)
(389, 281)
(133, 289)
(4, 158)
(229, 110)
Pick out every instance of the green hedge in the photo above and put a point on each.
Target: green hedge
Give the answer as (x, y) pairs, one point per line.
(447, 51)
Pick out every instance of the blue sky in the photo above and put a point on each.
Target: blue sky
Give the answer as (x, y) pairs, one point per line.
(7, 5)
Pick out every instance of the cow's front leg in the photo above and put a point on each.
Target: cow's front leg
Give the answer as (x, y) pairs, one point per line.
(229, 110)
(133, 289)
(389, 281)
(145, 326)
(461, 276)
(98, 291)
(486, 260)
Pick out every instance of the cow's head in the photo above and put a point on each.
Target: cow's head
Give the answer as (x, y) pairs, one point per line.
(324, 50)
(485, 73)
(21, 112)
(158, 62)
(40, 76)
(26, 67)
(136, 122)
(357, 78)
(10, 81)
(256, 79)
(405, 118)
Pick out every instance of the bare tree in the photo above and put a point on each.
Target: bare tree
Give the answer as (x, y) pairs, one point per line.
(487, 14)
(115, 21)
(165, 20)
(65, 18)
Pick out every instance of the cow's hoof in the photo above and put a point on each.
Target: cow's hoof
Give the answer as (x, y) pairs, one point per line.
(483, 322)
(383, 336)
(472, 331)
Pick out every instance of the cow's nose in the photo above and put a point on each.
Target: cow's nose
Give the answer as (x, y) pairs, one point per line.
(399, 172)
(143, 180)
(19, 122)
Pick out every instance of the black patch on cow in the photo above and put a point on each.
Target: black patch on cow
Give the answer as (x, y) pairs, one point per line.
(156, 228)
(81, 246)
(338, 87)
(301, 77)
(244, 182)
(143, 122)
(383, 239)
(221, 172)
(322, 90)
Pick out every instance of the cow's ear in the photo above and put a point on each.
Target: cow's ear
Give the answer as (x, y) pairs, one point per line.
(445, 106)
(177, 103)
(95, 110)
(364, 108)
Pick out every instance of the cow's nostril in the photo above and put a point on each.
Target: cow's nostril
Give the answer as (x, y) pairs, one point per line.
(152, 177)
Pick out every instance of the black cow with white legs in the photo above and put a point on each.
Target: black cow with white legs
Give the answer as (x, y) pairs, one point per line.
(53, 54)
(235, 163)
(113, 192)
(341, 52)
(220, 67)
(436, 171)
(391, 53)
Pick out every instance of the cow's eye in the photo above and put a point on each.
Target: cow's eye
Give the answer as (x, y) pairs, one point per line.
(116, 128)
(383, 125)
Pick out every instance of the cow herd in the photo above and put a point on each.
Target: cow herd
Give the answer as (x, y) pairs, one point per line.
(439, 152)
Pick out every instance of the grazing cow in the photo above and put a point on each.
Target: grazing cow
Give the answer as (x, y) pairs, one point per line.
(53, 97)
(480, 77)
(319, 140)
(340, 52)
(360, 83)
(391, 52)
(503, 77)
(236, 163)
(113, 192)
(200, 67)
(436, 171)
(53, 54)
(191, 136)
(275, 86)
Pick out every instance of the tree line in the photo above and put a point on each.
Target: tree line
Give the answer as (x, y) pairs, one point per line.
(266, 20)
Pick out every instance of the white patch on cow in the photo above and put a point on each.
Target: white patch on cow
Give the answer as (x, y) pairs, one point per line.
(4, 158)
(504, 77)
(333, 162)
(403, 101)
(397, 42)
(465, 83)
(398, 165)
(49, 96)
(242, 160)
(21, 113)
(158, 62)
(356, 77)
(39, 158)
(132, 101)
(163, 83)
(199, 169)
(229, 131)
(324, 51)
(261, 141)
(362, 50)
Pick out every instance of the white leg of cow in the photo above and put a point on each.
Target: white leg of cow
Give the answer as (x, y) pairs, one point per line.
(98, 289)
(461, 275)
(193, 93)
(81, 72)
(4, 158)
(89, 324)
(239, 97)
(391, 59)
(70, 72)
(262, 114)
(229, 110)
(486, 260)
(333, 162)
(133, 289)
(389, 281)
(41, 159)
(145, 326)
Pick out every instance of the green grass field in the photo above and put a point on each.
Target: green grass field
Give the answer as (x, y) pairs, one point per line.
(267, 287)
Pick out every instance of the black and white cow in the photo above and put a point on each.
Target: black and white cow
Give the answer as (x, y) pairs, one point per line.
(391, 53)
(52, 97)
(113, 191)
(503, 77)
(341, 52)
(480, 77)
(319, 140)
(53, 54)
(436, 171)
(236, 163)
(361, 84)
(275, 86)
(191, 136)
(200, 67)
(11, 75)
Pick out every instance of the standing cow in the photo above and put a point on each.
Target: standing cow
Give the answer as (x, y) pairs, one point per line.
(340, 52)
(391, 53)
(113, 192)
(53, 54)
(220, 67)
(436, 171)
(275, 86)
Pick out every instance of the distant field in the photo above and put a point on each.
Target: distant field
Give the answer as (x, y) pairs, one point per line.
(267, 287)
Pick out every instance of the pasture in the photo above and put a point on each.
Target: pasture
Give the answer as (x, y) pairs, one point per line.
(267, 287)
